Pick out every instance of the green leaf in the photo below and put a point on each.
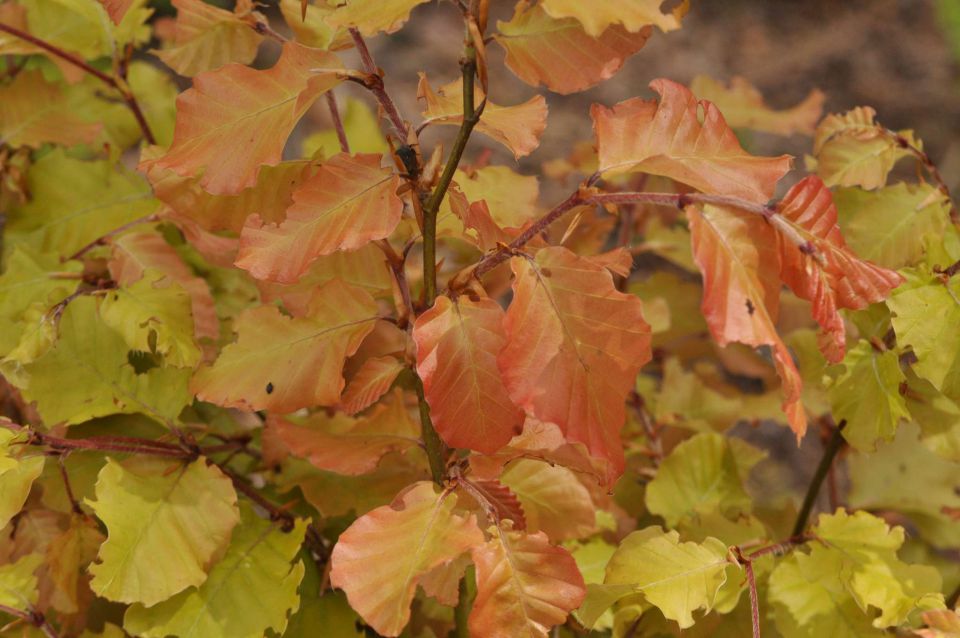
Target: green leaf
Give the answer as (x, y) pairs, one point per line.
(937, 415)
(905, 476)
(677, 578)
(887, 226)
(686, 401)
(74, 202)
(926, 313)
(703, 474)
(90, 351)
(250, 589)
(165, 526)
(18, 582)
(26, 282)
(154, 315)
(17, 474)
(866, 394)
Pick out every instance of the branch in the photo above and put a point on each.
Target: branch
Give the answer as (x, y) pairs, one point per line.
(435, 448)
(109, 80)
(337, 122)
(34, 617)
(374, 82)
(754, 603)
(826, 461)
(924, 158)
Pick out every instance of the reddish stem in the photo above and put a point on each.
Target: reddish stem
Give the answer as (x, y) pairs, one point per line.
(375, 85)
(337, 122)
(754, 603)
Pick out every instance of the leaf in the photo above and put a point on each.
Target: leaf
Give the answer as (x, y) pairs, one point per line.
(236, 119)
(553, 499)
(314, 29)
(458, 342)
(116, 9)
(852, 149)
(566, 322)
(500, 500)
(135, 253)
(632, 14)
(888, 225)
(349, 446)
(888, 478)
(669, 139)
(737, 253)
(824, 271)
(87, 349)
(18, 582)
(371, 18)
(67, 558)
(703, 474)
(866, 394)
(560, 54)
(74, 202)
(525, 586)
(370, 382)
(34, 112)
(284, 364)
(349, 202)
(517, 127)
(926, 310)
(685, 401)
(677, 578)
(251, 589)
(380, 558)
(742, 106)
(510, 197)
(207, 37)
(17, 474)
(941, 623)
(154, 315)
(164, 528)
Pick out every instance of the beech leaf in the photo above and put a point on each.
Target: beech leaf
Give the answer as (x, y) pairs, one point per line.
(566, 322)
(380, 558)
(458, 342)
(668, 138)
(349, 202)
(164, 528)
(372, 17)
(742, 106)
(632, 14)
(370, 382)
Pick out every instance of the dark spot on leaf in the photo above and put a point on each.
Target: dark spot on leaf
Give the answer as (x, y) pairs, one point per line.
(546, 272)
(750, 308)
(269, 388)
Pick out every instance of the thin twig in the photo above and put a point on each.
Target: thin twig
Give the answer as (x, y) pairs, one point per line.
(99, 241)
(337, 122)
(830, 451)
(436, 450)
(109, 80)
(375, 84)
(754, 602)
(924, 158)
(34, 617)
(74, 503)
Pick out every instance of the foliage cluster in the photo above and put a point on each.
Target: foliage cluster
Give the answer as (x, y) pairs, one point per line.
(369, 387)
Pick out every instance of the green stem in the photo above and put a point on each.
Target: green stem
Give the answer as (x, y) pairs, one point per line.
(826, 462)
(436, 450)
(461, 613)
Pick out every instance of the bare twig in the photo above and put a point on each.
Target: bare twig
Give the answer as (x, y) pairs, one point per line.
(833, 446)
(374, 82)
(109, 80)
(924, 158)
(337, 122)
(754, 603)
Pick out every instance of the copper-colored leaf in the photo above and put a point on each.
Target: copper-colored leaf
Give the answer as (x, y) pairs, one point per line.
(575, 345)
(116, 9)
(349, 202)
(668, 138)
(284, 364)
(597, 15)
(737, 254)
(457, 347)
(501, 501)
(236, 119)
(380, 558)
(825, 271)
(517, 127)
(371, 382)
(525, 586)
(34, 112)
(560, 54)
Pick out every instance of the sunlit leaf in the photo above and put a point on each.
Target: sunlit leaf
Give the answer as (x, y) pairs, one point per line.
(632, 14)
(742, 106)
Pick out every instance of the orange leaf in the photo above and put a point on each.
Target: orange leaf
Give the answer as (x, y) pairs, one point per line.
(379, 560)
(284, 364)
(560, 54)
(668, 138)
(517, 127)
(525, 586)
(575, 345)
(349, 202)
(737, 254)
(206, 37)
(457, 347)
(34, 112)
(349, 446)
(502, 502)
(236, 119)
(371, 382)
(832, 277)
(116, 9)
